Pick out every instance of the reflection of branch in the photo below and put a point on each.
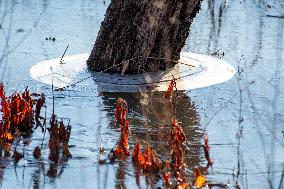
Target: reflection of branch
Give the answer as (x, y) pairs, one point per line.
(225, 104)
(240, 132)
(4, 13)
(274, 122)
(7, 51)
(275, 16)
(6, 46)
(282, 179)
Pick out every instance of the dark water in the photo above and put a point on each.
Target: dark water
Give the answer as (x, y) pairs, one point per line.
(243, 117)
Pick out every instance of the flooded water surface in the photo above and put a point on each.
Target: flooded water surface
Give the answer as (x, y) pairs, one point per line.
(243, 117)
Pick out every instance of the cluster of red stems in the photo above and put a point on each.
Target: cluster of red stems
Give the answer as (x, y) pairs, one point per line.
(20, 112)
(58, 141)
(173, 171)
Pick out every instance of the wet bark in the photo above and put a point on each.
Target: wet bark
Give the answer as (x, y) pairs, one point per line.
(140, 29)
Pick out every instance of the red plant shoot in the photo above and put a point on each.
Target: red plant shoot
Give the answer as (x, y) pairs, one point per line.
(137, 156)
(206, 148)
(122, 147)
(121, 111)
(177, 141)
(167, 178)
(149, 161)
(169, 92)
(200, 179)
(177, 134)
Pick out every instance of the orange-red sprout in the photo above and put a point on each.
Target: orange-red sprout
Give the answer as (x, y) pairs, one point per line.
(200, 179)
(169, 92)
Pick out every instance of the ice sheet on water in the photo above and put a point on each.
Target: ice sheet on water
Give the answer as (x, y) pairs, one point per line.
(194, 71)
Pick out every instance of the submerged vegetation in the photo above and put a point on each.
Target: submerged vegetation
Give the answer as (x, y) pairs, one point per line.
(21, 117)
(243, 117)
(173, 172)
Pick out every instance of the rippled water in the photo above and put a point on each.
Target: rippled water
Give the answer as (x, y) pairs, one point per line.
(243, 117)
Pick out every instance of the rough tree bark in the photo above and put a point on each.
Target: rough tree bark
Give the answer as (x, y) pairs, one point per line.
(140, 29)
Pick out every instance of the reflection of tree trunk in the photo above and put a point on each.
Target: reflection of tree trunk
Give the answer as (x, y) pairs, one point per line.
(142, 28)
(151, 115)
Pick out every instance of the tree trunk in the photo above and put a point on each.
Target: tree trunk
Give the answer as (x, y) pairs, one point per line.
(139, 29)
